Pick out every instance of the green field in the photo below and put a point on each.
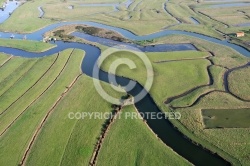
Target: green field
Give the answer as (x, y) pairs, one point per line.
(168, 83)
(127, 147)
(3, 58)
(192, 71)
(28, 120)
(73, 140)
(27, 98)
(28, 45)
(229, 15)
(224, 56)
(232, 143)
(37, 94)
(22, 113)
(226, 118)
(239, 83)
(135, 18)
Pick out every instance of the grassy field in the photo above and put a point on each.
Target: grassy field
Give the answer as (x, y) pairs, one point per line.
(34, 88)
(61, 12)
(188, 100)
(73, 144)
(224, 56)
(228, 15)
(31, 117)
(26, 17)
(233, 144)
(191, 123)
(226, 20)
(135, 18)
(23, 84)
(28, 45)
(193, 72)
(226, 118)
(177, 55)
(130, 142)
(1, 2)
(27, 98)
(16, 75)
(13, 65)
(239, 83)
(3, 58)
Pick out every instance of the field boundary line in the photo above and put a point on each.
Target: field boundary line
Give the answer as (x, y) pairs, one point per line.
(18, 79)
(24, 158)
(39, 95)
(90, 99)
(164, 5)
(31, 86)
(106, 127)
(210, 83)
(6, 61)
(159, 139)
(226, 81)
(183, 59)
(24, 111)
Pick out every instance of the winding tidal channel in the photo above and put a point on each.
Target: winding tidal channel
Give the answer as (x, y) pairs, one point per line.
(162, 127)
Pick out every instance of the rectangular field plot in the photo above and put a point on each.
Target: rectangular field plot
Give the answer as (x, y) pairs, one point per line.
(233, 15)
(226, 118)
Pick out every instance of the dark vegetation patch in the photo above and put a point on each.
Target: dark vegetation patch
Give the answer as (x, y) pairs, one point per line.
(61, 34)
(100, 33)
(226, 118)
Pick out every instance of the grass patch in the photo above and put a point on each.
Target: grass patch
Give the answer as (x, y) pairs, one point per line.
(228, 142)
(139, 14)
(72, 140)
(217, 74)
(128, 143)
(27, 45)
(38, 87)
(12, 66)
(167, 76)
(24, 83)
(176, 55)
(25, 18)
(190, 98)
(239, 83)
(15, 76)
(20, 133)
(3, 58)
(224, 56)
(191, 123)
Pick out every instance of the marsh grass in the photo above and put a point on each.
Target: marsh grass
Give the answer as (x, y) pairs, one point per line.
(130, 141)
(239, 83)
(27, 45)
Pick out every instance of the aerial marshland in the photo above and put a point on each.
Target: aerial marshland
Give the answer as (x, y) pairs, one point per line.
(199, 52)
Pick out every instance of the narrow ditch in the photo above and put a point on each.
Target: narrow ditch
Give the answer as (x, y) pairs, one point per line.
(24, 158)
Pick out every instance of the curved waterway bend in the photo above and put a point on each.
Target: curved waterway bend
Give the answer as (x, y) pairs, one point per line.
(38, 35)
(163, 128)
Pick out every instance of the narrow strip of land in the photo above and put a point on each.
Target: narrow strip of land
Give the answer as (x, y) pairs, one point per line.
(45, 118)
